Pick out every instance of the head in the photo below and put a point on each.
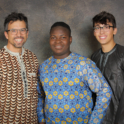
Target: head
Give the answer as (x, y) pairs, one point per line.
(16, 30)
(60, 40)
(103, 18)
(104, 25)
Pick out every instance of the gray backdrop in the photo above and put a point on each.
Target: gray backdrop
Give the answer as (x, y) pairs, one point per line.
(77, 13)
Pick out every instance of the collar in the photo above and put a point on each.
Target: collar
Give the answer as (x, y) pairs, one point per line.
(110, 52)
(14, 53)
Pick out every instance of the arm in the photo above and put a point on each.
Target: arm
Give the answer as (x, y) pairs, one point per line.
(41, 99)
(98, 85)
(0, 75)
(119, 118)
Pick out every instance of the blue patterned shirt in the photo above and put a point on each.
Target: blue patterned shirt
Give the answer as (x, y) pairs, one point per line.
(65, 91)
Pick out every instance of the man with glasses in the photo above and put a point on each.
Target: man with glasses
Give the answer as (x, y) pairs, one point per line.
(18, 74)
(110, 60)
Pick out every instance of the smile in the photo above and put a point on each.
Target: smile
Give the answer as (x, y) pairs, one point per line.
(102, 37)
(58, 47)
(18, 40)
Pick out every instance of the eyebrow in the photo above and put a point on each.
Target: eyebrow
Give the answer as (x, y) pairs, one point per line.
(60, 35)
(101, 24)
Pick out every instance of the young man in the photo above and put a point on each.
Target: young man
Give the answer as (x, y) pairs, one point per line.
(109, 59)
(18, 74)
(67, 81)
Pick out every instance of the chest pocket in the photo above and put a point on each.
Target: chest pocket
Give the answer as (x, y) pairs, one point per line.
(32, 78)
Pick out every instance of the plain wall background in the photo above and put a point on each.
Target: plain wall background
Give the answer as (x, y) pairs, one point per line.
(77, 13)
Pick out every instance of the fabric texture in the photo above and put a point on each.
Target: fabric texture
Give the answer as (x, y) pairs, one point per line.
(113, 71)
(65, 91)
(18, 87)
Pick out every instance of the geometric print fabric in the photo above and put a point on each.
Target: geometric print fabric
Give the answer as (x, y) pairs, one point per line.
(65, 87)
(14, 106)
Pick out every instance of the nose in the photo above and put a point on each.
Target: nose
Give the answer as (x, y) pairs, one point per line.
(58, 40)
(101, 29)
(18, 33)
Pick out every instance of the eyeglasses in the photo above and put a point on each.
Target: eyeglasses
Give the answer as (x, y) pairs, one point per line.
(106, 28)
(14, 31)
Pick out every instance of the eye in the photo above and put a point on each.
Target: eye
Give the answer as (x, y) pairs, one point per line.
(63, 37)
(23, 30)
(53, 38)
(106, 26)
(13, 30)
(96, 28)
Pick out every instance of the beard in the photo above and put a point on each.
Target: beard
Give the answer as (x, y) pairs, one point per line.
(18, 44)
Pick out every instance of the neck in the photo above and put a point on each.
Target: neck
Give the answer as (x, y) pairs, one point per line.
(108, 47)
(16, 50)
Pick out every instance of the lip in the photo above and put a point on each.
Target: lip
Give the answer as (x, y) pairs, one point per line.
(102, 37)
(58, 47)
(18, 40)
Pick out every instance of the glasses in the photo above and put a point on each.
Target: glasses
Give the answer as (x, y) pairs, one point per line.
(106, 28)
(14, 31)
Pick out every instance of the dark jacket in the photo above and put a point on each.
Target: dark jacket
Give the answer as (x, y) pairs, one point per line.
(111, 65)
(119, 118)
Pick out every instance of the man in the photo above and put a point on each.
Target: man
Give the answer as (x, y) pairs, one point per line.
(67, 81)
(109, 59)
(18, 74)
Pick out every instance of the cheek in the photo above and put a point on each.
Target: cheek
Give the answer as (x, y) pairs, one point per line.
(110, 34)
(96, 35)
(51, 43)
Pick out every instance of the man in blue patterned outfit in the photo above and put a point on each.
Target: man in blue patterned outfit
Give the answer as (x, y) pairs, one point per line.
(66, 83)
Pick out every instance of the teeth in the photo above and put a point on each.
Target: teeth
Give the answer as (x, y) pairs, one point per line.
(58, 46)
(102, 37)
(18, 40)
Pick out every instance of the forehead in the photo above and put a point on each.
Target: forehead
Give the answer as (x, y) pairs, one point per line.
(17, 24)
(101, 24)
(59, 29)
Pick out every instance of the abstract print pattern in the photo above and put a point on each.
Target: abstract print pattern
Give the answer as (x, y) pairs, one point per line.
(14, 106)
(65, 87)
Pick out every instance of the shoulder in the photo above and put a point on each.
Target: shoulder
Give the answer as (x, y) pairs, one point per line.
(2, 51)
(82, 59)
(46, 62)
(78, 56)
(96, 54)
(119, 51)
(28, 52)
(30, 55)
(120, 48)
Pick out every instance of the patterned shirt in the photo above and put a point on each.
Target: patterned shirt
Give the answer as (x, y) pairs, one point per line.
(18, 87)
(65, 91)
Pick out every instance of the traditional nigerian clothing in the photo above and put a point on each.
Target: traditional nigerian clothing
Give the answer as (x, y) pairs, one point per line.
(65, 91)
(18, 87)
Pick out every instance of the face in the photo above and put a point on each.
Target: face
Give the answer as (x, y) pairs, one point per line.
(60, 41)
(16, 41)
(103, 37)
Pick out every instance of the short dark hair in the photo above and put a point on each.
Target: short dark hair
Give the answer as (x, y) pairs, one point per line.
(103, 17)
(63, 24)
(14, 17)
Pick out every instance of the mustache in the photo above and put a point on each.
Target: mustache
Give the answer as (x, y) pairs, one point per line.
(19, 37)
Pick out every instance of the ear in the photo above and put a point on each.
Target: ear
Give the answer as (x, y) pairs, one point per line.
(27, 33)
(70, 39)
(6, 34)
(115, 31)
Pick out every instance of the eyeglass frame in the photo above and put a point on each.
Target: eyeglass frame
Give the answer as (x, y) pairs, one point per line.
(102, 28)
(17, 30)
